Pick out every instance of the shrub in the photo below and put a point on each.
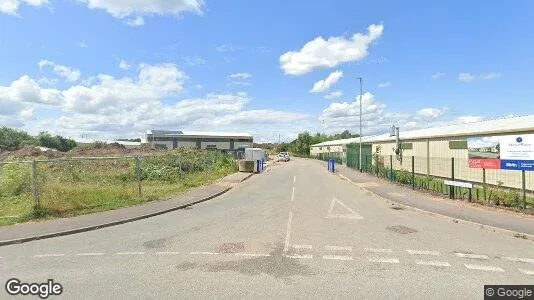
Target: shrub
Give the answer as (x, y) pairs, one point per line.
(403, 176)
(15, 179)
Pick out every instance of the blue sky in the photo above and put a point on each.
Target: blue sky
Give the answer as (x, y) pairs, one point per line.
(251, 66)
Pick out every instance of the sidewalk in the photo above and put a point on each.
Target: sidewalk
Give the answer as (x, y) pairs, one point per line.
(25, 232)
(460, 210)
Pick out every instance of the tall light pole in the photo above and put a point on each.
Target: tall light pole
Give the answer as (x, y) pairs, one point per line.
(361, 99)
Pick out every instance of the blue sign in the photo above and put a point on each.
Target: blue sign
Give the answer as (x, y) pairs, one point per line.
(508, 164)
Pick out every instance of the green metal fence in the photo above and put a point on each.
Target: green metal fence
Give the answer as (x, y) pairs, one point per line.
(490, 187)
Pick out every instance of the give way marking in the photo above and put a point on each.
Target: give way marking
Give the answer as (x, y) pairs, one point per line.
(349, 214)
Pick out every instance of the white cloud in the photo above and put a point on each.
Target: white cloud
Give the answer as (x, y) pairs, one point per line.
(198, 86)
(26, 113)
(82, 44)
(466, 77)
(384, 84)
(333, 95)
(194, 61)
(242, 76)
(134, 11)
(432, 113)
(135, 22)
(227, 48)
(490, 75)
(70, 74)
(27, 90)
(124, 65)
(11, 7)
(437, 75)
(324, 85)
(321, 53)
(47, 81)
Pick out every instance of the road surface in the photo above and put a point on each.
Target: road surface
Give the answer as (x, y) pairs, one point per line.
(295, 231)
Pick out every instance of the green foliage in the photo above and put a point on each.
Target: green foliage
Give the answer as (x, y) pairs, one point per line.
(301, 145)
(403, 176)
(15, 179)
(14, 139)
(56, 142)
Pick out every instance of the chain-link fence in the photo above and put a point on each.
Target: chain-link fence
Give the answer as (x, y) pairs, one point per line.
(507, 188)
(73, 186)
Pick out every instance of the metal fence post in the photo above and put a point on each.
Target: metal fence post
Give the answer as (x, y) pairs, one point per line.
(138, 175)
(484, 184)
(391, 167)
(376, 163)
(413, 172)
(451, 187)
(524, 185)
(37, 205)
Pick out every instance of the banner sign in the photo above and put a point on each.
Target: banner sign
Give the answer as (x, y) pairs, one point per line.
(509, 152)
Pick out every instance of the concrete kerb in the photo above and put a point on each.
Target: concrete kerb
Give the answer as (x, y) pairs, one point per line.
(455, 220)
(113, 223)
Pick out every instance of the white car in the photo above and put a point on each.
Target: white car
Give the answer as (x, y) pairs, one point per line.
(282, 157)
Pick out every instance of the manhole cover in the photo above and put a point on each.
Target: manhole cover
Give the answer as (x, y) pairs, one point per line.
(231, 248)
(401, 229)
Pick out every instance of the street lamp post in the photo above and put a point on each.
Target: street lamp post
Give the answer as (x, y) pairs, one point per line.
(361, 99)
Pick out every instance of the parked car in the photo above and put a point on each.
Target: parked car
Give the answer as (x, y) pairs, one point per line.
(282, 157)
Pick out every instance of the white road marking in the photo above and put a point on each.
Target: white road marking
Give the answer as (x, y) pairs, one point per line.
(384, 260)
(396, 194)
(473, 256)
(302, 246)
(424, 252)
(433, 263)
(377, 250)
(337, 257)
(528, 272)
(288, 232)
(292, 195)
(167, 253)
(49, 255)
(351, 215)
(520, 259)
(338, 248)
(90, 254)
(294, 179)
(130, 253)
(203, 253)
(253, 254)
(484, 268)
(307, 256)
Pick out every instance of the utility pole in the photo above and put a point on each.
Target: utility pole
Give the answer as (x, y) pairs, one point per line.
(361, 99)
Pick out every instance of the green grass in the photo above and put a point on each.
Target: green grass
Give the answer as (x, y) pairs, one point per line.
(72, 188)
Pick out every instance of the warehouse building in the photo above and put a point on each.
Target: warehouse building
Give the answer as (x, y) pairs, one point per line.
(226, 142)
(434, 148)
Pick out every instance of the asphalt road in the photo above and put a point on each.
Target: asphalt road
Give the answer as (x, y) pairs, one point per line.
(295, 231)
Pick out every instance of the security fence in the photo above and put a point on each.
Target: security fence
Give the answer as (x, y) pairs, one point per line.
(79, 185)
(495, 187)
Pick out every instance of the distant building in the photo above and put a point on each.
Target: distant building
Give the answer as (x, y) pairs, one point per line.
(225, 141)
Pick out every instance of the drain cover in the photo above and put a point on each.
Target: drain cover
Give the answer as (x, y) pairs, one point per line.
(231, 248)
(401, 229)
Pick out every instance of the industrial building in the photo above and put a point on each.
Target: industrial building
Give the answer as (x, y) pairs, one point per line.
(226, 142)
(434, 148)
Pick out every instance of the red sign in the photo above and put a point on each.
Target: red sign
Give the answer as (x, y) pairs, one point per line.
(485, 163)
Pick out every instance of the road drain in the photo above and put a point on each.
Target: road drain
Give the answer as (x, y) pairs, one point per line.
(231, 248)
(401, 229)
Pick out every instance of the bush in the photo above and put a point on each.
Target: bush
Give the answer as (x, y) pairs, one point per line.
(403, 176)
(15, 180)
(55, 142)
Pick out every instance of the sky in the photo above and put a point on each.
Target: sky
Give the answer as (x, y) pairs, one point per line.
(107, 69)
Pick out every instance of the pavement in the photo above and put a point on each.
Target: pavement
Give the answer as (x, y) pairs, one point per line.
(46, 229)
(294, 232)
(516, 223)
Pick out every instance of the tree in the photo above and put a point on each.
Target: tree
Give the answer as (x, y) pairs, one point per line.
(12, 138)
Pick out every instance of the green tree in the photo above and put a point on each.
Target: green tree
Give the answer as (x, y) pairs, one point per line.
(12, 138)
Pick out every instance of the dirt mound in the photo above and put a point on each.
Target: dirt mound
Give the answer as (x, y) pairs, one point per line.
(34, 152)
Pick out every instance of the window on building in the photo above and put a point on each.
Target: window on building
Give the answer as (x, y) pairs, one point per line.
(407, 146)
(457, 144)
(328, 148)
(320, 148)
(162, 139)
(211, 146)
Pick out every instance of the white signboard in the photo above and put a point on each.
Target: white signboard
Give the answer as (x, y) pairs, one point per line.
(517, 147)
